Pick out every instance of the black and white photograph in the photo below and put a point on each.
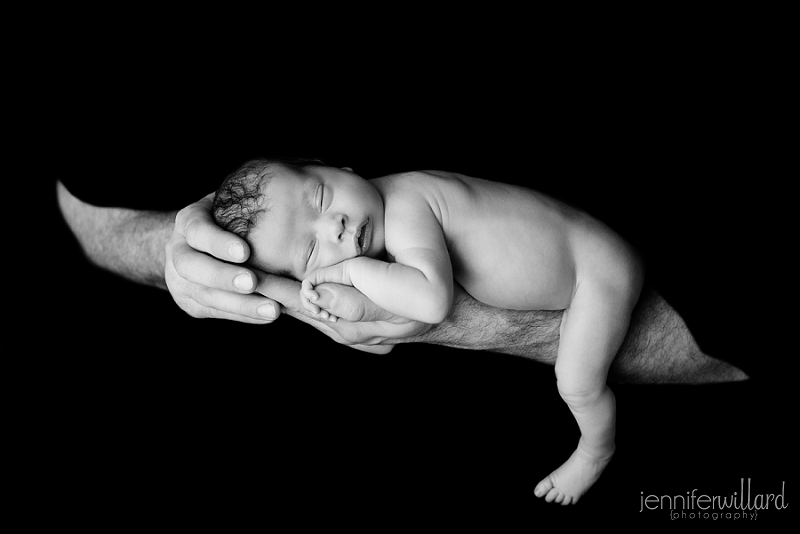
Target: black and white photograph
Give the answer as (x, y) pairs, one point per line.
(547, 302)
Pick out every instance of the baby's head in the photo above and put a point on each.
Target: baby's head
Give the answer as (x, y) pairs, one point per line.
(299, 215)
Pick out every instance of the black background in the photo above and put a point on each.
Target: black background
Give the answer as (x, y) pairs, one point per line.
(143, 411)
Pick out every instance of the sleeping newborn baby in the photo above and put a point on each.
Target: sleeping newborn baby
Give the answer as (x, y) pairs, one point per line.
(402, 240)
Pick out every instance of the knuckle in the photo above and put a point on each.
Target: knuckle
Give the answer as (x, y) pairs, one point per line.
(173, 240)
(213, 278)
(180, 263)
(178, 288)
(170, 275)
(213, 313)
(190, 230)
(348, 338)
(244, 307)
(182, 218)
(190, 308)
(202, 295)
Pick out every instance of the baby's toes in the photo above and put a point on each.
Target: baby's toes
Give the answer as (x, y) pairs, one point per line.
(543, 487)
(310, 308)
(552, 495)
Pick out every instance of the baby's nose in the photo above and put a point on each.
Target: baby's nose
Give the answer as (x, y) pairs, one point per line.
(339, 227)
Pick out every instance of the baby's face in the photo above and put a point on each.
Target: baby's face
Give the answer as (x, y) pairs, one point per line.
(316, 218)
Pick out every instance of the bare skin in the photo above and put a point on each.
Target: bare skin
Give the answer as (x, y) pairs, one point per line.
(192, 258)
(186, 253)
(508, 246)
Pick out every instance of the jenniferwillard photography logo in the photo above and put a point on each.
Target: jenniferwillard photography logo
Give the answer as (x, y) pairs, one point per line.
(741, 505)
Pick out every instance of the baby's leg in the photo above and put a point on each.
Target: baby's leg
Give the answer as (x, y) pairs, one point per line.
(592, 330)
(570, 481)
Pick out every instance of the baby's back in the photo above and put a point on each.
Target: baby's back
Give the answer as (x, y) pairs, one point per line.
(510, 247)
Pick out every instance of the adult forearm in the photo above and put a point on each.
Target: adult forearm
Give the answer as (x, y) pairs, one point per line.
(477, 326)
(658, 347)
(127, 242)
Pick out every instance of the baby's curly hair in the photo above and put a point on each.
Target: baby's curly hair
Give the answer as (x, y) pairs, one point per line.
(239, 202)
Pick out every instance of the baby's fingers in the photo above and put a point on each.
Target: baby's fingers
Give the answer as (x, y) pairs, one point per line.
(318, 312)
(311, 308)
(308, 305)
(307, 291)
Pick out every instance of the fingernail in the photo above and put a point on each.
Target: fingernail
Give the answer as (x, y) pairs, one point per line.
(267, 311)
(236, 251)
(243, 282)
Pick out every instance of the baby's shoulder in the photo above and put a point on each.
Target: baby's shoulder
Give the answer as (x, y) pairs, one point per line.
(404, 187)
(428, 184)
(409, 194)
(410, 180)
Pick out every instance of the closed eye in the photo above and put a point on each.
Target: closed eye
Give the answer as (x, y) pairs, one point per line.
(311, 252)
(320, 196)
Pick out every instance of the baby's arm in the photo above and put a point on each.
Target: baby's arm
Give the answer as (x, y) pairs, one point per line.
(419, 285)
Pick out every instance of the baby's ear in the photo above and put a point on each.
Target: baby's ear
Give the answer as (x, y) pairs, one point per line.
(348, 169)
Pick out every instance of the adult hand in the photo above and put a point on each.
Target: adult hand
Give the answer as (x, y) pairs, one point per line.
(200, 283)
(361, 325)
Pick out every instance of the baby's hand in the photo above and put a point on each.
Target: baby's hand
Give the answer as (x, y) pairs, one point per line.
(337, 274)
(308, 297)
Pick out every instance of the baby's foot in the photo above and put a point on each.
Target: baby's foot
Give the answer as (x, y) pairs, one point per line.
(566, 484)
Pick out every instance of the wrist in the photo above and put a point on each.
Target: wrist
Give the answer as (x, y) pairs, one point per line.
(352, 268)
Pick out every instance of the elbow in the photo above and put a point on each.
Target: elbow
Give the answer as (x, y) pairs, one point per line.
(438, 315)
(78, 217)
(436, 307)
(95, 229)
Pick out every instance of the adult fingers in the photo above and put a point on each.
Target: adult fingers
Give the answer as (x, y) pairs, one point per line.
(322, 326)
(227, 305)
(217, 314)
(374, 349)
(342, 332)
(204, 270)
(281, 289)
(197, 225)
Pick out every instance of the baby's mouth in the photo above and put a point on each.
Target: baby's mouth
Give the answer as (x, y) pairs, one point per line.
(361, 237)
